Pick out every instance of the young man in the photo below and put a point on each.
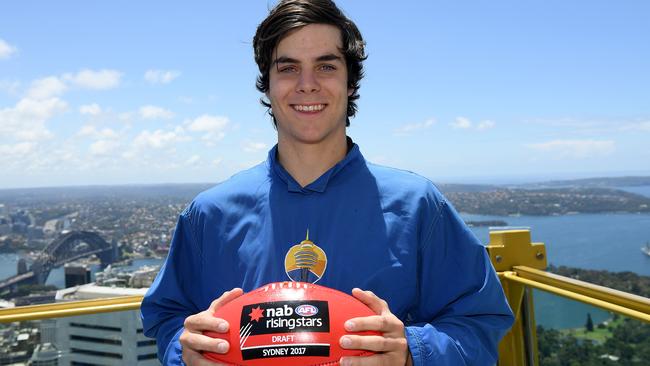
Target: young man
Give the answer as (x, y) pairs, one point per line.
(389, 232)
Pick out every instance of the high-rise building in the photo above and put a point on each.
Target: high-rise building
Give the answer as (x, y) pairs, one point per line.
(103, 339)
(5, 222)
(48, 331)
(21, 266)
(76, 275)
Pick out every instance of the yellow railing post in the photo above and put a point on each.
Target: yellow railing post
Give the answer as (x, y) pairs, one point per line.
(509, 248)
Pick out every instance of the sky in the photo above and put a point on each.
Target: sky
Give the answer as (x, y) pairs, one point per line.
(141, 92)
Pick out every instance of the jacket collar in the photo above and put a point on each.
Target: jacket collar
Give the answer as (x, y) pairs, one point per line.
(320, 184)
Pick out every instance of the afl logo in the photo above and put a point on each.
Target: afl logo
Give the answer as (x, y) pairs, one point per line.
(306, 310)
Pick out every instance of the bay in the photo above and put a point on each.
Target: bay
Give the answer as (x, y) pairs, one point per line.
(609, 242)
(642, 190)
(593, 241)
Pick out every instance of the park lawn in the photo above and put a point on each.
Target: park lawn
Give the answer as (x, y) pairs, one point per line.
(598, 335)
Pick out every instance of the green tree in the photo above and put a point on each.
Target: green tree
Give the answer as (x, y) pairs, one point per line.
(590, 323)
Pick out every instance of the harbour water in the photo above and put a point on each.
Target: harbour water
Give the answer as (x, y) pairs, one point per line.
(609, 242)
(595, 241)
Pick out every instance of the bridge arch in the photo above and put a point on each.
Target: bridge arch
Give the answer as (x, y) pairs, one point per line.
(66, 248)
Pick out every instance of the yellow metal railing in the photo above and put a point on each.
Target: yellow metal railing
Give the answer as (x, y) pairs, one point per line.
(632, 306)
(519, 263)
(70, 308)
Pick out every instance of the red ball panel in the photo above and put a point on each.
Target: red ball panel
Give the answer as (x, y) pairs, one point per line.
(288, 323)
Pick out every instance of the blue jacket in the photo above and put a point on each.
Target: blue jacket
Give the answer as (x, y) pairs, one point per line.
(371, 227)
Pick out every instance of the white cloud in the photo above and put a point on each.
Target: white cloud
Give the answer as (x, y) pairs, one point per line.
(485, 125)
(217, 161)
(98, 80)
(193, 160)
(461, 123)
(576, 149)
(125, 116)
(637, 126)
(108, 133)
(90, 109)
(130, 154)
(253, 147)
(93, 132)
(40, 109)
(414, 127)
(161, 76)
(208, 123)
(6, 50)
(26, 120)
(19, 149)
(87, 130)
(159, 139)
(153, 112)
(54, 86)
(47, 87)
(103, 147)
(212, 126)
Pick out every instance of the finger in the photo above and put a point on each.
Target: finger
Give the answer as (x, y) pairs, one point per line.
(194, 358)
(372, 343)
(205, 321)
(200, 342)
(225, 298)
(373, 301)
(380, 323)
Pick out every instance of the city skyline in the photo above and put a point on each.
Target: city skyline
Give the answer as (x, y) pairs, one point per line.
(146, 93)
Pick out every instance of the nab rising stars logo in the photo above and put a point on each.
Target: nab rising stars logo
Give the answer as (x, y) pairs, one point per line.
(305, 262)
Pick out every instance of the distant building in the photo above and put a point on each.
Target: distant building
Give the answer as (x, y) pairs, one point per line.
(14, 358)
(117, 276)
(48, 331)
(19, 228)
(36, 298)
(22, 217)
(144, 276)
(35, 232)
(56, 226)
(51, 228)
(45, 354)
(103, 339)
(21, 266)
(5, 227)
(76, 275)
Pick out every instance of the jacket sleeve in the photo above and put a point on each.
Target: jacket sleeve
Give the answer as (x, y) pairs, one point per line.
(461, 300)
(170, 298)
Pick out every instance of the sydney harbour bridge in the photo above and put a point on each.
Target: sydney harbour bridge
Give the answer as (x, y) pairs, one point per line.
(68, 247)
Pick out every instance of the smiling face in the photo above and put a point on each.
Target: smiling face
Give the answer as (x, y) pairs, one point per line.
(308, 86)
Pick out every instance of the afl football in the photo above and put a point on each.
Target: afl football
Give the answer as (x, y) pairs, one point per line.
(288, 323)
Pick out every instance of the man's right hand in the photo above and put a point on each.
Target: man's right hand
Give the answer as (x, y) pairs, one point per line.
(193, 342)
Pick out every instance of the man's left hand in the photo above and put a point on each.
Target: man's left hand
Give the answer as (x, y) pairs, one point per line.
(390, 348)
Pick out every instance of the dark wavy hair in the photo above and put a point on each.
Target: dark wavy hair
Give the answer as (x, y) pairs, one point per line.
(288, 15)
